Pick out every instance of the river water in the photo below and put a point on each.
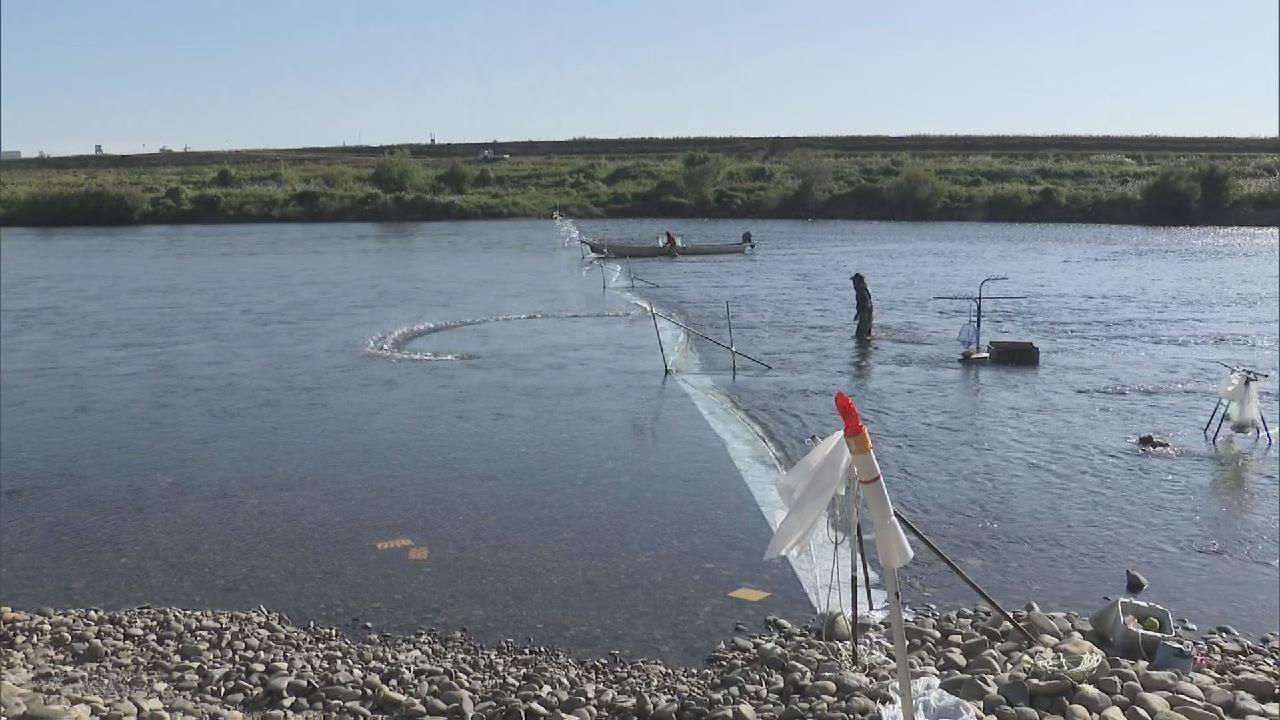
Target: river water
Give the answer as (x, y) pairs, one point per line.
(229, 415)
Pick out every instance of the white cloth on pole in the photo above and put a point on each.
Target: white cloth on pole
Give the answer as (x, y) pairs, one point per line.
(806, 489)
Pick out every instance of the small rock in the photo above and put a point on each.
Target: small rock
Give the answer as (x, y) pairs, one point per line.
(1076, 646)
(1015, 692)
(978, 687)
(1191, 713)
(1156, 680)
(1025, 713)
(1259, 686)
(1052, 686)
(1076, 712)
(190, 651)
(1042, 624)
(50, 712)
(1136, 713)
(1220, 697)
(1152, 704)
(1135, 582)
(1112, 713)
(1187, 689)
(358, 710)
(952, 660)
(666, 711)
(1245, 704)
(1108, 685)
(1091, 699)
(821, 687)
(836, 628)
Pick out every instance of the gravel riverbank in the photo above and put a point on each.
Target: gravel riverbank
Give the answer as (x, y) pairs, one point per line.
(166, 663)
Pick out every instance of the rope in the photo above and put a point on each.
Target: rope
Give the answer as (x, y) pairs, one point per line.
(835, 579)
(1075, 667)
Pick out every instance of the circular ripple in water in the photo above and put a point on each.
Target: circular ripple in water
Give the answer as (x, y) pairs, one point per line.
(392, 345)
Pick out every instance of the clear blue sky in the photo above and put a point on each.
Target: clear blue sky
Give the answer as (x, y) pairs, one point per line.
(270, 73)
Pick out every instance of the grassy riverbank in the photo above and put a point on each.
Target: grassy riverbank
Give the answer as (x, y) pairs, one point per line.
(1180, 181)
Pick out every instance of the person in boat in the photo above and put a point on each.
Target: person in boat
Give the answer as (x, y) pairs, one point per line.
(864, 308)
(670, 245)
(746, 238)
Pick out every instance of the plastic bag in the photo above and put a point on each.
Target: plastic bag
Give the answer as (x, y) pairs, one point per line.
(929, 701)
(806, 489)
(1231, 386)
(1244, 413)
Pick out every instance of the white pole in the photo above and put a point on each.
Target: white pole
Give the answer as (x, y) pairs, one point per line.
(899, 643)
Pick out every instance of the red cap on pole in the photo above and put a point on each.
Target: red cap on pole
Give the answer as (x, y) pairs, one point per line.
(852, 423)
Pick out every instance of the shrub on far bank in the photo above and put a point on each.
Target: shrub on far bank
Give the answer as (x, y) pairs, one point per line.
(814, 173)
(455, 178)
(396, 172)
(1171, 198)
(1215, 192)
(915, 194)
(91, 205)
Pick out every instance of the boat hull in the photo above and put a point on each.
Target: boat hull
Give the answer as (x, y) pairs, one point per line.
(647, 251)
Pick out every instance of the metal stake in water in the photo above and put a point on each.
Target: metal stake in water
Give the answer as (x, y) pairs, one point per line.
(733, 351)
(666, 369)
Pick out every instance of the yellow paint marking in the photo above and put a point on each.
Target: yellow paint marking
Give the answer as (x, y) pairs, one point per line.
(394, 543)
(749, 595)
(417, 553)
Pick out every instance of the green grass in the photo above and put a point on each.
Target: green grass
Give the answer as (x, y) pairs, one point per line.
(1201, 181)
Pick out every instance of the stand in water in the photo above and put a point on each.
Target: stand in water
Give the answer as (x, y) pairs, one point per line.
(1239, 393)
(865, 309)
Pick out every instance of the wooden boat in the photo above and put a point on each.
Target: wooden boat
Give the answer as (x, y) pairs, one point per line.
(662, 249)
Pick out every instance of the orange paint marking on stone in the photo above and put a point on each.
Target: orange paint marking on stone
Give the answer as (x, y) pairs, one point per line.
(394, 543)
(417, 553)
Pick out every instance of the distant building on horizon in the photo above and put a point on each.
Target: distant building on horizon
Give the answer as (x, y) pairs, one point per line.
(10, 154)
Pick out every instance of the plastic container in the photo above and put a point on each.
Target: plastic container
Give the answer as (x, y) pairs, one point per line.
(1112, 622)
(1174, 655)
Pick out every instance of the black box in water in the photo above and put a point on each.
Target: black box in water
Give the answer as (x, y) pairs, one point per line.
(1013, 353)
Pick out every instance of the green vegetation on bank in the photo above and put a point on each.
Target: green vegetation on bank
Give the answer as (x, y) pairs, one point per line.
(1219, 184)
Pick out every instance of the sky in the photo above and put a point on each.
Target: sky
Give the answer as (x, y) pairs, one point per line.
(274, 73)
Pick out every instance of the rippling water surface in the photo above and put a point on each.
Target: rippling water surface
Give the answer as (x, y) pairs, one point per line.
(233, 415)
(1030, 477)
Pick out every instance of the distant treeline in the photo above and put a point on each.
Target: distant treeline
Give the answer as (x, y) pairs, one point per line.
(1185, 181)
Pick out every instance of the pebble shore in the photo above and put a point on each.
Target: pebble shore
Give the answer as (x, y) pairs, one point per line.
(167, 663)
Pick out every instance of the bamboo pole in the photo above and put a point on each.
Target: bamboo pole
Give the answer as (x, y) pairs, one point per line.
(962, 575)
(681, 325)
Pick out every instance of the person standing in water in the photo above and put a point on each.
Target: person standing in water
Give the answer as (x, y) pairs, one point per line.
(864, 307)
